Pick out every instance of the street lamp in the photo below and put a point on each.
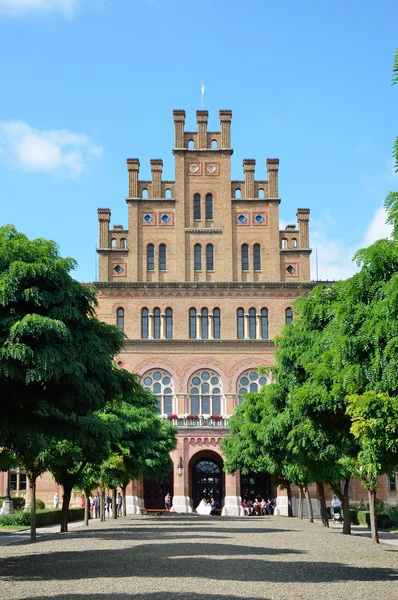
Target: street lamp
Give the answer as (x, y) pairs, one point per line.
(180, 467)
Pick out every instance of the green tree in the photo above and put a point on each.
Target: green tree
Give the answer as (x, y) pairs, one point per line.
(375, 424)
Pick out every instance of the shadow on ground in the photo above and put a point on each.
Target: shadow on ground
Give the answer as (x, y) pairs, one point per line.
(148, 596)
(220, 562)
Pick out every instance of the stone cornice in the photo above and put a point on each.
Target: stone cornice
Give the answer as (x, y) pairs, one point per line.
(178, 342)
(203, 230)
(173, 200)
(201, 150)
(112, 250)
(301, 250)
(212, 285)
(276, 200)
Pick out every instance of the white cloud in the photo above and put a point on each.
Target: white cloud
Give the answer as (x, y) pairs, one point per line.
(21, 8)
(334, 255)
(55, 151)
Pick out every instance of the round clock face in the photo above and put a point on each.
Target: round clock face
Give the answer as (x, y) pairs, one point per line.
(194, 168)
(211, 168)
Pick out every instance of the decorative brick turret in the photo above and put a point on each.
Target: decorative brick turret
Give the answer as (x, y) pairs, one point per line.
(225, 120)
(156, 169)
(179, 122)
(303, 217)
(272, 165)
(133, 167)
(249, 166)
(104, 217)
(202, 117)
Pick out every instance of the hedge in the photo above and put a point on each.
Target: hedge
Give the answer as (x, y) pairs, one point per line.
(383, 520)
(18, 502)
(43, 517)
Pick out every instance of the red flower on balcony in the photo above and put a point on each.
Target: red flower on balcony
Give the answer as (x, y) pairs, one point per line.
(172, 417)
(216, 417)
(192, 417)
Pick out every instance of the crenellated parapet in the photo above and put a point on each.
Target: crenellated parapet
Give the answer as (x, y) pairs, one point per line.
(202, 139)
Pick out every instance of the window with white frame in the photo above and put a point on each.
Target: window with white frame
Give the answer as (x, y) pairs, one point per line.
(160, 383)
(205, 393)
(250, 381)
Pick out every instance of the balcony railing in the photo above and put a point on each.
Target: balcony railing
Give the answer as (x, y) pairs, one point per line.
(216, 421)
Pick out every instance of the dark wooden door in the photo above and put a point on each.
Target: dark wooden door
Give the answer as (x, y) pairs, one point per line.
(256, 485)
(156, 489)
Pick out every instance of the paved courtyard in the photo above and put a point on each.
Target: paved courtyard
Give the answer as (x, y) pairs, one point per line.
(199, 558)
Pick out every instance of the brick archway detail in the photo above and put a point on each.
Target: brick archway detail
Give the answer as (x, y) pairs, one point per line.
(160, 363)
(244, 365)
(198, 365)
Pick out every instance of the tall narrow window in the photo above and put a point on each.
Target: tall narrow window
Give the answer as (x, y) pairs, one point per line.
(120, 318)
(150, 257)
(169, 323)
(264, 324)
(162, 257)
(192, 324)
(198, 257)
(252, 323)
(241, 323)
(123, 243)
(245, 257)
(216, 323)
(257, 257)
(209, 207)
(156, 323)
(205, 324)
(144, 323)
(196, 207)
(209, 257)
(288, 316)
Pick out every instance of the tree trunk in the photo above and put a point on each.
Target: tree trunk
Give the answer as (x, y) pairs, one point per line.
(32, 486)
(114, 507)
(87, 507)
(65, 508)
(309, 505)
(300, 504)
(322, 501)
(373, 517)
(289, 499)
(102, 504)
(345, 501)
(124, 504)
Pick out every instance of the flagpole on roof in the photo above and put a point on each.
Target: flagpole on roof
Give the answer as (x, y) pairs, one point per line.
(203, 93)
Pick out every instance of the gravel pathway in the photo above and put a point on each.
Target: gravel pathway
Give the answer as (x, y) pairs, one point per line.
(200, 558)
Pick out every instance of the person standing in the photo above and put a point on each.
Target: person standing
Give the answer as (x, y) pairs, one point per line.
(108, 503)
(336, 509)
(56, 501)
(119, 504)
(82, 501)
(167, 502)
(97, 503)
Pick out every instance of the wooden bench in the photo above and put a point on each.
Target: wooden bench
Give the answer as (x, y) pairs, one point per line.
(154, 510)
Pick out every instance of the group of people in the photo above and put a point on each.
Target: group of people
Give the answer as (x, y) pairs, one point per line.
(256, 508)
(95, 505)
(207, 508)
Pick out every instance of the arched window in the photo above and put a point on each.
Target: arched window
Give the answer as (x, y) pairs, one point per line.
(245, 257)
(214, 144)
(123, 243)
(191, 144)
(209, 207)
(168, 193)
(144, 323)
(241, 323)
(160, 383)
(257, 257)
(252, 323)
(264, 324)
(209, 257)
(205, 393)
(113, 243)
(192, 324)
(156, 323)
(196, 207)
(120, 318)
(294, 241)
(162, 257)
(288, 316)
(238, 193)
(261, 193)
(150, 257)
(284, 244)
(216, 323)
(250, 381)
(198, 257)
(169, 323)
(205, 323)
(144, 193)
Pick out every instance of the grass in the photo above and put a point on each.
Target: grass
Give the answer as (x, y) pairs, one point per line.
(13, 528)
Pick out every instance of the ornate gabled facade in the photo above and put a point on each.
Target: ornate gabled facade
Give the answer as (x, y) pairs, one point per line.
(201, 281)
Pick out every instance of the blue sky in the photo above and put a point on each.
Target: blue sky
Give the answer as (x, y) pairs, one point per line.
(87, 83)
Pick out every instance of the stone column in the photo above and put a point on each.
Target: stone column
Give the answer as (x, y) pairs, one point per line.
(247, 327)
(272, 165)
(181, 498)
(211, 327)
(258, 327)
(198, 326)
(232, 501)
(249, 165)
(225, 120)
(202, 118)
(135, 497)
(179, 121)
(150, 326)
(133, 167)
(162, 326)
(156, 169)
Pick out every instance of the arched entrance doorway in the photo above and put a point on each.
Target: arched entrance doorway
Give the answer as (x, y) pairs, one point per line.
(256, 485)
(207, 480)
(156, 489)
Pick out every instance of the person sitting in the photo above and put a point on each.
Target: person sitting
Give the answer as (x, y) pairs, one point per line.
(256, 507)
(250, 507)
(263, 507)
(203, 507)
(270, 507)
(244, 507)
(213, 507)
